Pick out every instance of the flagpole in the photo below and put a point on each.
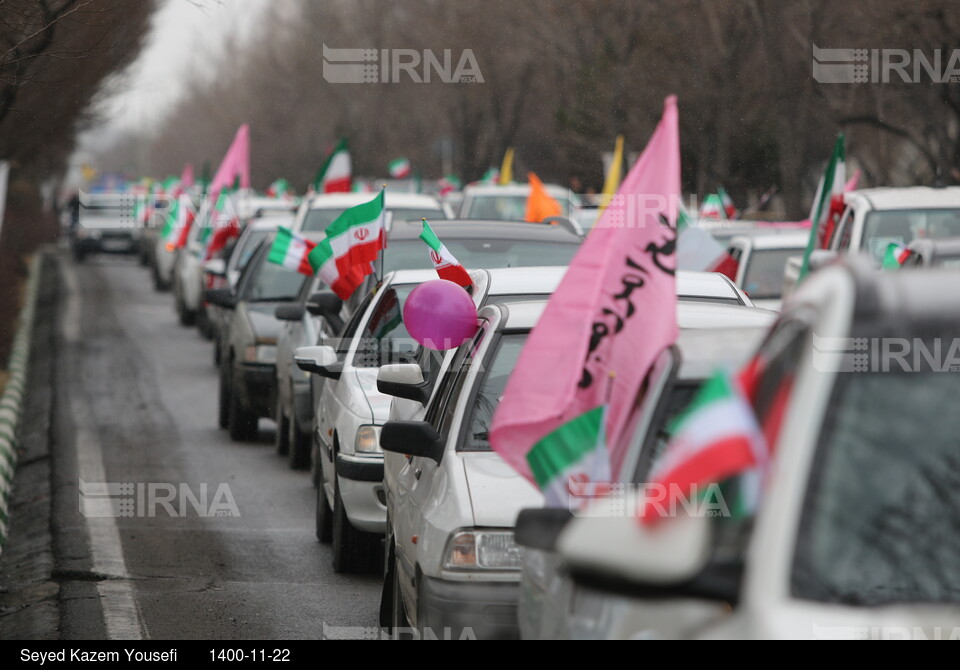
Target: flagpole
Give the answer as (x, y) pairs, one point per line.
(383, 251)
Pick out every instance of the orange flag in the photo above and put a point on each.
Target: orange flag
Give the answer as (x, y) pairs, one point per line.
(540, 205)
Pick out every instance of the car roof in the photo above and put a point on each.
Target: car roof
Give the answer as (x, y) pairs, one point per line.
(700, 315)
(781, 241)
(912, 197)
(473, 229)
(270, 223)
(391, 200)
(511, 189)
(708, 285)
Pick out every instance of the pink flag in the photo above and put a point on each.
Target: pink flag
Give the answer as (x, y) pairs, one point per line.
(235, 164)
(186, 179)
(611, 317)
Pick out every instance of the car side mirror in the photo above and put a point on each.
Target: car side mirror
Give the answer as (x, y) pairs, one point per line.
(540, 528)
(322, 360)
(216, 267)
(412, 438)
(324, 303)
(403, 381)
(221, 297)
(291, 311)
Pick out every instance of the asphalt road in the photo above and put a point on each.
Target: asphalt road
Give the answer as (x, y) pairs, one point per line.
(136, 401)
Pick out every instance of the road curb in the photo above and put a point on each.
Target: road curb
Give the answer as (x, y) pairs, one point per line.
(11, 402)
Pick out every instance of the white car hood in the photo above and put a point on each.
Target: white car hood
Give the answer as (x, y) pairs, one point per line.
(497, 492)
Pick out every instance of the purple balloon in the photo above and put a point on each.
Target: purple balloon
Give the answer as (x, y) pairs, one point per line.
(440, 315)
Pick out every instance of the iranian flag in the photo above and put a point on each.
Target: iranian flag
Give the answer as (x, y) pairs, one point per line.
(352, 243)
(896, 256)
(713, 208)
(565, 461)
(447, 265)
(399, 168)
(336, 173)
(292, 252)
(729, 209)
(280, 189)
(716, 437)
(832, 183)
(699, 251)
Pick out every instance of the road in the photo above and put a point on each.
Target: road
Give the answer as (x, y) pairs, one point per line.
(136, 400)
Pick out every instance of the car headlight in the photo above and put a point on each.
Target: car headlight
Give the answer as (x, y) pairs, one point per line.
(368, 440)
(262, 353)
(482, 550)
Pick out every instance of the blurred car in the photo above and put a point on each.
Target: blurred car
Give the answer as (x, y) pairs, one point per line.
(223, 271)
(874, 218)
(105, 225)
(476, 244)
(761, 260)
(351, 504)
(249, 342)
(551, 606)
(845, 424)
(321, 210)
(164, 256)
(509, 202)
(927, 253)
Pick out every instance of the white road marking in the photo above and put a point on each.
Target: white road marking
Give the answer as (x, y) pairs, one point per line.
(121, 614)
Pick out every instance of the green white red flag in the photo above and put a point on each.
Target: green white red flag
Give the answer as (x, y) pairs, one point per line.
(714, 439)
(446, 264)
(832, 183)
(336, 173)
(400, 168)
(352, 243)
(292, 252)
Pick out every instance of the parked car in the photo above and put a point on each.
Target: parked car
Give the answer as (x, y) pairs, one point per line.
(164, 257)
(509, 202)
(849, 424)
(551, 606)
(761, 260)
(249, 343)
(321, 210)
(223, 271)
(476, 244)
(105, 225)
(873, 218)
(351, 506)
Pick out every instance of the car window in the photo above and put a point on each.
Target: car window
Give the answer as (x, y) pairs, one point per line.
(489, 389)
(270, 282)
(903, 226)
(384, 338)
(774, 370)
(318, 220)
(763, 279)
(342, 343)
(879, 523)
(444, 401)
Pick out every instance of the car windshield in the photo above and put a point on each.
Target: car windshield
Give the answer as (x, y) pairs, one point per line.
(903, 226)
(491, 390)
(273, 283)
(764, 275)
(879, 523)
(317, 220)
(486, 252)
(504, 207)
(250, 243)
(385, 339)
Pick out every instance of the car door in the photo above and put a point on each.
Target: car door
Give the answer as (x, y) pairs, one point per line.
(417, 479)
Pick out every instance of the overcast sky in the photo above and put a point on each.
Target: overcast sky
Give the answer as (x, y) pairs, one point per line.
(183, 35)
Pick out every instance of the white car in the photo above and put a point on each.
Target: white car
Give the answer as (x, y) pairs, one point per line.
(551, 606)
(351, 504)
(321, 210)
(875, 217)
(434, 515)
(855, 532)
(761, 260)
(509, 202)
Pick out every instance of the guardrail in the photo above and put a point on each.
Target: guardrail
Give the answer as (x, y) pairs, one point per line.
(12, 400)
